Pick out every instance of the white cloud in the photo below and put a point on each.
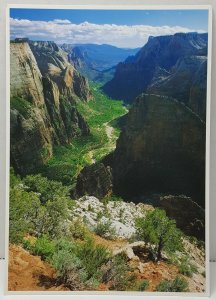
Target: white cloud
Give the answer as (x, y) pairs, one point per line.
(59, 21)
(64, 31)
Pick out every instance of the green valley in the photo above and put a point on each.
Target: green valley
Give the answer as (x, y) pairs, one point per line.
(99, 112)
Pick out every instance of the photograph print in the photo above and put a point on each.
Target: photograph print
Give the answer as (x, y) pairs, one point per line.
(108, 118)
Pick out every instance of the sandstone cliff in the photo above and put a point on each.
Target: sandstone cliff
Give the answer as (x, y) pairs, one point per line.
(162, 148)
(53, 63)
(43, 104)
(185, 82)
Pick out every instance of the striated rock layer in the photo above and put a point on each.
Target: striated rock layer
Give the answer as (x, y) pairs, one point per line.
(43, 88)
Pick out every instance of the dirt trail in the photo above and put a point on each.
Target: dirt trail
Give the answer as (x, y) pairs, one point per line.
(91, 156)
(30, 273)
(109, 131)
(110, 145)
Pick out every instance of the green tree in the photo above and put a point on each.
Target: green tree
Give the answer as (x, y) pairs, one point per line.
(48, 189)
(14, 179)
(28, 214)
(24, 207)
(56, 216)
(157, 229)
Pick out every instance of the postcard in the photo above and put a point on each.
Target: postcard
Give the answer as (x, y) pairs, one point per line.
(109, 128)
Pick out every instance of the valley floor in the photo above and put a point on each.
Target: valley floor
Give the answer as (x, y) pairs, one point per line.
(101, 114)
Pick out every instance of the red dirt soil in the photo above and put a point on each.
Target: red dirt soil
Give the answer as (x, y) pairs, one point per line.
(30, 273)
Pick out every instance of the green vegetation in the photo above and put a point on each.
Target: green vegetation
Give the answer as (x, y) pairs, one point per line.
(35, 212)
(143, 285)
(68, 266)
(113, 198)
(92, 257)
(24, 211)
(39, 214)
(86, 265)
(186, 267)
(48, 189)
(21, 105)
(14, 179)
(78, 230)
(117, 274)
(101, 109)
(77, 264)
(69, 160)
(157, 229)
(105, 229)
(177, 285)
(43, 247)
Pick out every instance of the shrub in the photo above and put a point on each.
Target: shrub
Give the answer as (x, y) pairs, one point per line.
(156, 228)
(143, 285)
(79, 264)
(69, 268)
(28, 214)
(99, 215)
(48, 189)
(78, 230)
(44, 248)
(116, 274)
(24, 207)
(27, 245)
(177, 285)
(186, 268)
(59, 171)
(113, 198)
(92, 257)
(105, 229)
(55, 215)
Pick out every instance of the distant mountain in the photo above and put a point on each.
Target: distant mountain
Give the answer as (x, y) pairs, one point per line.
(97, 62)
(173, 65)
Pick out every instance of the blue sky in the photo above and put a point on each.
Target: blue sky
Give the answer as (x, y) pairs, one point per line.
(123, 28)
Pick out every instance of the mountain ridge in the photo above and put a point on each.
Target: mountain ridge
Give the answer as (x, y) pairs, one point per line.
(159, 59)
(92, 60)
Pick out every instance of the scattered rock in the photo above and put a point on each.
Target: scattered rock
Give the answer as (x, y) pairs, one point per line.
(120, 215)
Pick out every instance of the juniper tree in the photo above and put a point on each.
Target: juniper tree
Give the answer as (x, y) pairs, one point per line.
(157, 229)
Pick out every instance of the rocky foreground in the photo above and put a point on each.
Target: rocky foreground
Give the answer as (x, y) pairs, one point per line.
(119, 236)
(118, 219)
